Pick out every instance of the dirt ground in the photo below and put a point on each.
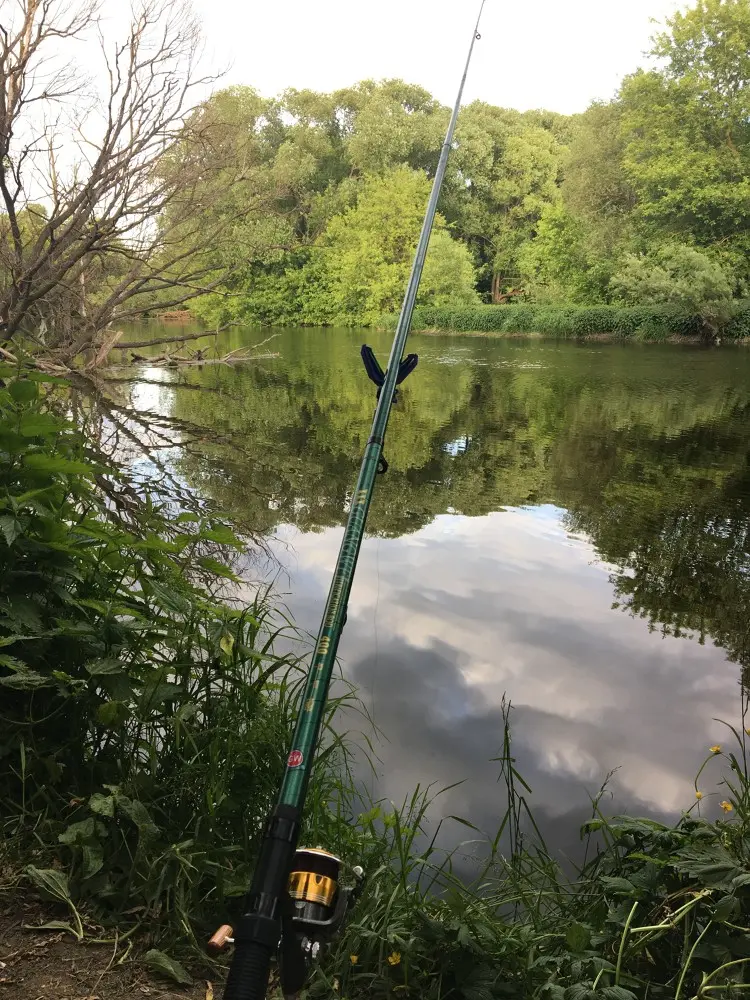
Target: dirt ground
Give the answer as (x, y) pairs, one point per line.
(51, 965)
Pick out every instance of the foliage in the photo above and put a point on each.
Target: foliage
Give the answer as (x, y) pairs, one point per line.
(368, 251)
(142, 716)
(656, 322)
(661, 911)
(675, 274)
(552, 205)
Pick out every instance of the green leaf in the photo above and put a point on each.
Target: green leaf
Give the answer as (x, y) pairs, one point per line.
(113, 714)
(222, 534)
(79, 832)
(9, 640)
(591, 826)
(618, 886)
(104, 805)
(138, 814)
(169, 599)
(187, 518)
(105, 668)
(44, 377)
(740, 880)
(617, 993)
(39, 462)
(579, 991)
(156, 694)
(162, 964)
(23, 391)
(34, 424)
(10, 527)
(214, 566)
(554, 991)
(12, 663)
(464, 937)
(712, 865)
(93, 860)
(726, 908)
(50, 882)
(578, 938)
(26, 680)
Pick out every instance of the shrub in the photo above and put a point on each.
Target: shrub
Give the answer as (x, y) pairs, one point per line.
(655, 322)
(675, 274)
(142, 740)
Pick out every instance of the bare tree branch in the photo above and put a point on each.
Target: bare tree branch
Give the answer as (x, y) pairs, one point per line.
(99, 193)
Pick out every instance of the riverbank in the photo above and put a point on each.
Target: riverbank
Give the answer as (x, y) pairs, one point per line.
(643, 324)
(146, 718)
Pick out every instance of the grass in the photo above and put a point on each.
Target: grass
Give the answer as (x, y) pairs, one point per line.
(145, 722)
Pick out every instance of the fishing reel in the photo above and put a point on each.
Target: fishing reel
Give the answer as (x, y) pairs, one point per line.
(317, 907)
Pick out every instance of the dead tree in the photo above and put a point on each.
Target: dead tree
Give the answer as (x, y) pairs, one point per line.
(96, 198)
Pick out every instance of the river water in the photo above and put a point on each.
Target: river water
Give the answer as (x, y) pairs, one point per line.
(564, 525)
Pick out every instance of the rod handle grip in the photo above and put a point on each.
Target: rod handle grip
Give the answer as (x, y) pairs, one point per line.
(249, 972)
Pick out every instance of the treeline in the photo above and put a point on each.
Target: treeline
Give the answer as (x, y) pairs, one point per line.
(643, 200)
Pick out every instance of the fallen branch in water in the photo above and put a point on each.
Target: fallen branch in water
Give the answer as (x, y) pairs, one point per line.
(168, 340)
(239, 354)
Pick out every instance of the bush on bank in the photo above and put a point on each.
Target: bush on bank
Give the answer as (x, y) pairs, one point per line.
(645, 323)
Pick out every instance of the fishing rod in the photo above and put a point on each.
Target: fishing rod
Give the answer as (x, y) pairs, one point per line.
(297, 902)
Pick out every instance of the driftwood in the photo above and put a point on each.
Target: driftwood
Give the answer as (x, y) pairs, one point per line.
(199, 357)
(168, 340)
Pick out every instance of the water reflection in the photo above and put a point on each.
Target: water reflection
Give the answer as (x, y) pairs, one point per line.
(444, 622)
(537, 494)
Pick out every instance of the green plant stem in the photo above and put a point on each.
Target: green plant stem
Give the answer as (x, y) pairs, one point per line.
(599, 975)
(621, 952)
(737, 961)
(686, 966)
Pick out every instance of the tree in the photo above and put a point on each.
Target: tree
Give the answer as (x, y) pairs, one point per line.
(687, 133)
(366, 253)
(117, 231)
(506, 172)
(388, 124)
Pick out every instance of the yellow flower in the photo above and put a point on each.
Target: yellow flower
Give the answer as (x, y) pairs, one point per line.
(394, 958)
(726, 806)
(698, 795)
(715, 749)
(354, 959)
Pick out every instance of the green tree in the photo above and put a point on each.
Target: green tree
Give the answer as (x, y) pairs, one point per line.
(687, 133)
(506, 172)
(579, 242)
(366, 253)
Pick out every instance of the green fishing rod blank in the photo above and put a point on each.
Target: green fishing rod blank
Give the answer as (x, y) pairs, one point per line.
(296, 901)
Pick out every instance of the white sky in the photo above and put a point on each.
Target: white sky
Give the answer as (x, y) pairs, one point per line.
(539, 53)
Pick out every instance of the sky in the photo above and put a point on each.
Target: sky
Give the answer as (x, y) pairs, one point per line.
(539, 53)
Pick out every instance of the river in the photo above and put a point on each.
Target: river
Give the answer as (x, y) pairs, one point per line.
(562, 524)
